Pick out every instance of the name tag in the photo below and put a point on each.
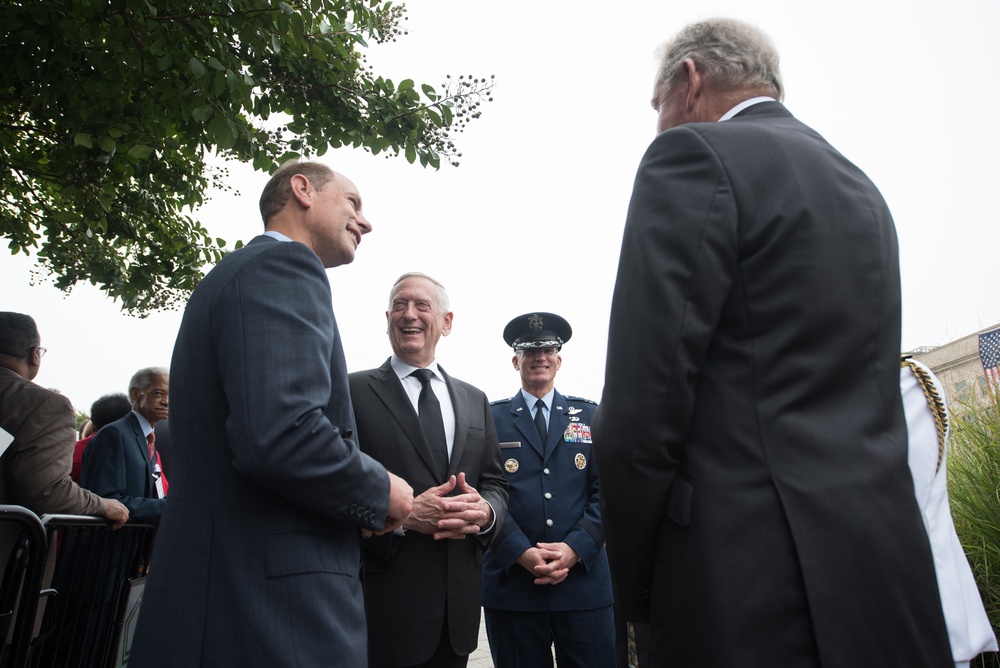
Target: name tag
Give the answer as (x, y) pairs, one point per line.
(510, 444)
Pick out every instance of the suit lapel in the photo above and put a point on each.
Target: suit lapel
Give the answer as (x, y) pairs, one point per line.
(558, 421)
(143, 445)
(520, 412)
(389, 390)
(460, 403)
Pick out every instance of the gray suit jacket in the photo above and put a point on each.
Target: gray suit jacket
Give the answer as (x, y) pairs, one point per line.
(34, 471)
(413, 581)
(751, 444)
(258, 556)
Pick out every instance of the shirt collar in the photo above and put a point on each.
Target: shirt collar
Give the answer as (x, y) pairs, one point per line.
(277, 235)
(744, 104)
(147, 428)
(404, 369)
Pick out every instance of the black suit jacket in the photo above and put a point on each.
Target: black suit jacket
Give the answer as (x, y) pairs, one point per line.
(750, 440)
(116, 465)
(412, 580)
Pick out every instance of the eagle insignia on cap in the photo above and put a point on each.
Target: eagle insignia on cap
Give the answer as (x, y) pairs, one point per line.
(535, 321)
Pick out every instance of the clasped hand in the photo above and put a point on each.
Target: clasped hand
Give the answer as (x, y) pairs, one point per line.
(549, 562)
(442, 516)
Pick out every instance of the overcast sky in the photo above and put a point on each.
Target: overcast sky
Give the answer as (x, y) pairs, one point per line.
(533, 217)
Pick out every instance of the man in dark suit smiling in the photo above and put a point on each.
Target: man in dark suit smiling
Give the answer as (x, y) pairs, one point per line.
(257, 560)
(423, 584)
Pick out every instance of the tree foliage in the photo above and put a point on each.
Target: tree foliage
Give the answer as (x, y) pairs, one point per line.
(109, 110)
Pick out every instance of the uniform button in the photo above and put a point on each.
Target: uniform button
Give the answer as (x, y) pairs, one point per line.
(549, 523)
(545, 471)
(353, 508)
(548, 495)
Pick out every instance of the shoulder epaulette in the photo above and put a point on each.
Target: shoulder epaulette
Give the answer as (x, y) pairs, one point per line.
(501, 401)
(586, 401)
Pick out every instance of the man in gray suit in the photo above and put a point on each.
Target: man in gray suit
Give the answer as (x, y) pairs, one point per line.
(423, 584)
(257, 560)
(750, 441)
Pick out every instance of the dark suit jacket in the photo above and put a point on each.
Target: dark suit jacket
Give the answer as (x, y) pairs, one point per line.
(750, 440)
(411, 580)
(257, 560)
(35, 469)
(554, 481)
(116, 465)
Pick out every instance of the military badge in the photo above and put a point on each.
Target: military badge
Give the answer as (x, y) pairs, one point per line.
(581, 461)
(511, 465)
(577, 432)
(535, 322)
(573, 410)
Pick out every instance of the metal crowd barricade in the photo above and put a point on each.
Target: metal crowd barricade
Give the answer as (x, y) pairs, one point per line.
(22, 559)
(96, 570)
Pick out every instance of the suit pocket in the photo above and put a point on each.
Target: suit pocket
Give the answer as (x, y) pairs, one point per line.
(679, 500)
(299, 553)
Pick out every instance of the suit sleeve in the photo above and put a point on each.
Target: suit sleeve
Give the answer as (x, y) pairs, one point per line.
(492, 483)
(276, 340)
(676, 269)
(41, 480)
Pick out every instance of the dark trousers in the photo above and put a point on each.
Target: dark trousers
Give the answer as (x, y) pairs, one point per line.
(582, 638)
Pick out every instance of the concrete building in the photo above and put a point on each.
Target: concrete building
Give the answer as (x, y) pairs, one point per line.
(960, 368)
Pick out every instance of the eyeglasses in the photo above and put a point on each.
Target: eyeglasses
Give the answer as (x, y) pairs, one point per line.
(41, 351)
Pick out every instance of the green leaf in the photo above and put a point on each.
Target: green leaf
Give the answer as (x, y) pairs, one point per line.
(406, 84)
(83, 139)
(411, 153)
(140, 151)
(197, 69)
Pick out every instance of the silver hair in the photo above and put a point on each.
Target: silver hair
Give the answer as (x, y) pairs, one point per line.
(442, 294)
(729, 53)
(144, 378)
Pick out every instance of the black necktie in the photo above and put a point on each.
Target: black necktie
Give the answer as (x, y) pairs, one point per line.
(429, 411)
(540, 420)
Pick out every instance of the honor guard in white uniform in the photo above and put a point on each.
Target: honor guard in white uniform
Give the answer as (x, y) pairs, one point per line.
(545, 576)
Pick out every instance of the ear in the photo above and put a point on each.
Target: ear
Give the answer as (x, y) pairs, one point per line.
(446, 325)
(558, 362)
(694, 81)
(302, 190)
(133, 395)
(513, 360)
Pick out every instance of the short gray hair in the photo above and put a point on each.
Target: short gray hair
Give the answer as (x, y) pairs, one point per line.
(442, 294)
(144, 378)
(729, 53)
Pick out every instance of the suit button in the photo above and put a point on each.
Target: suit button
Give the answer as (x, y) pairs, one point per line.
(549, 523)
(545, 471)
(548, 495)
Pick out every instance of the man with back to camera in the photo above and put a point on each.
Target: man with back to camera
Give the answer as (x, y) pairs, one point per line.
(257, 558)
(39, 429)
(120, 461)
(423, 584)
(750, 439)
(546, 578)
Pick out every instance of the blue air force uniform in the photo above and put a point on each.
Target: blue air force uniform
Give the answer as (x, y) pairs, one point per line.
(553, 498)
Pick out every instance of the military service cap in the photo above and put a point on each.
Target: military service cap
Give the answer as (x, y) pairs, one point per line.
(537, 330)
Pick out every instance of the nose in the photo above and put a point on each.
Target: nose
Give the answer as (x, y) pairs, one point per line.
(363, 223)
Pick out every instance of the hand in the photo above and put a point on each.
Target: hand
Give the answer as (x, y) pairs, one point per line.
(115, 512)
(549, 562)
(400, 504)
(442, 516)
